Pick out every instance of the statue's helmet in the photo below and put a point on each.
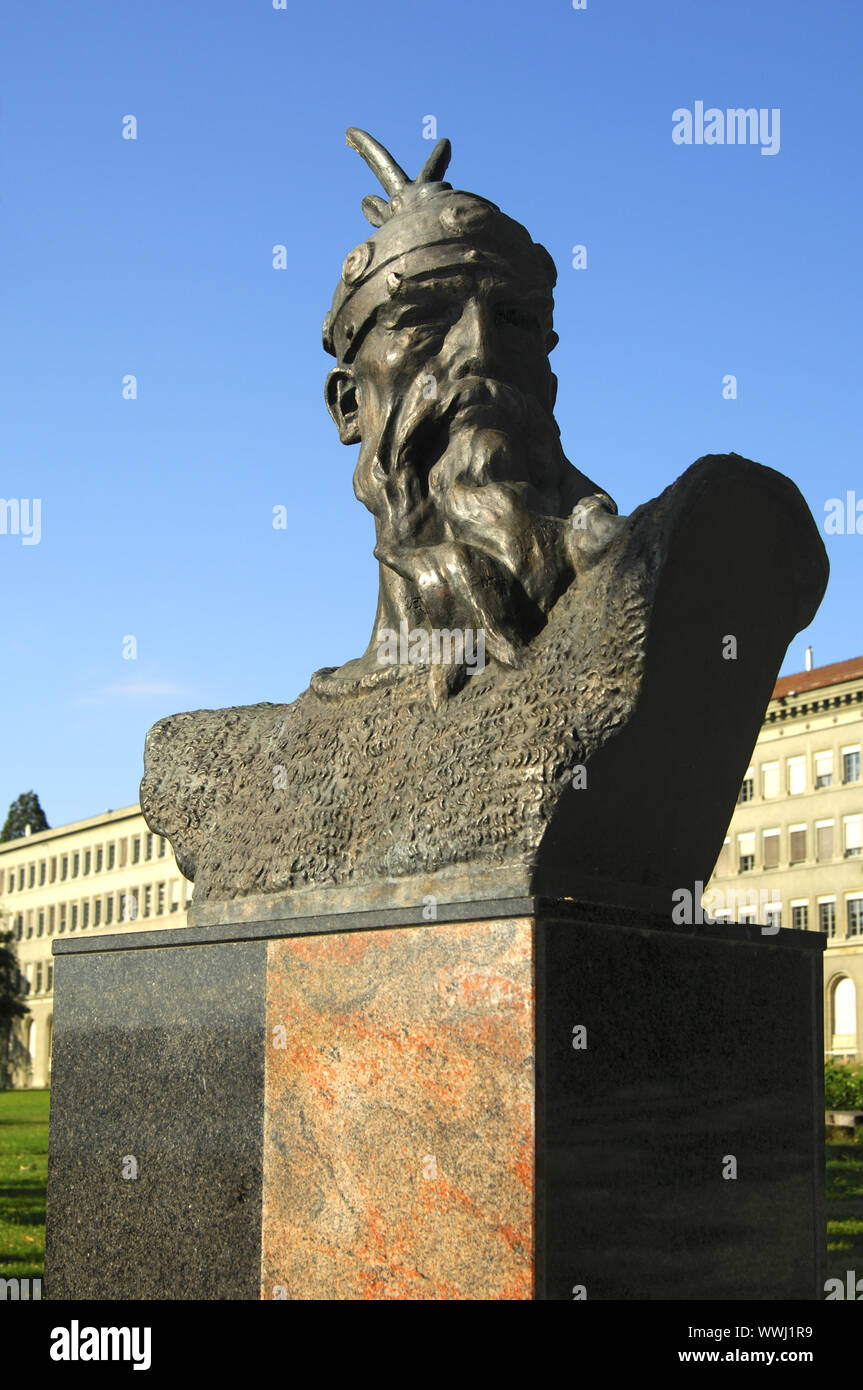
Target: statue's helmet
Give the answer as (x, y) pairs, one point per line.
(426, 226)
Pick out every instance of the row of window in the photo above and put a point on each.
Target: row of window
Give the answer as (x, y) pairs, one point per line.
(829, 839)
(114, 855)
(150, 901)
(794, 711)
(824, 918)
(799, 777)
(38, 978)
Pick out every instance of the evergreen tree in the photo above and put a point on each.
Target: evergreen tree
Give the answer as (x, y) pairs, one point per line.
(12, 1007)
(24, 811)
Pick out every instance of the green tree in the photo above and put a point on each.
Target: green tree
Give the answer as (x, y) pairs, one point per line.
(843, 1087)
(25, 810)
(12, 1007)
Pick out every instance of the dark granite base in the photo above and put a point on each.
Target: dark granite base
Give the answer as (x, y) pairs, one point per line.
(158, 1057)
(703, 1044)
(698, 1050)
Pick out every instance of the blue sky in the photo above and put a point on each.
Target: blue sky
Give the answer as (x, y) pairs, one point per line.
(154, 257)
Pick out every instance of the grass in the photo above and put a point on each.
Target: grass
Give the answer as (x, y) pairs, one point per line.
(24, 1164)
(844, 1210)
(23, 1171)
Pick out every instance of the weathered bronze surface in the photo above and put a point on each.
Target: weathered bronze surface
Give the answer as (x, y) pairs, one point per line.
(549, 697)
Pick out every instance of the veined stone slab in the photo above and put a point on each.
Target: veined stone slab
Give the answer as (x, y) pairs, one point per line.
(557, 1102)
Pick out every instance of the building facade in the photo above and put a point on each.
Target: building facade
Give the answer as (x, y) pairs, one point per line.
(793, 855)
(106, 874)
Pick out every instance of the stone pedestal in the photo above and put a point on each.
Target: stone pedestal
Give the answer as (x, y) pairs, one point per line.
(527, 1098)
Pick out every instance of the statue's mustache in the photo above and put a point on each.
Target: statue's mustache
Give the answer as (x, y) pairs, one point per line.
(425, 424)
(474, 392)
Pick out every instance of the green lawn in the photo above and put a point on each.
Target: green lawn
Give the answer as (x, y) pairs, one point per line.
(844, 1210)
(24, 1163)
(23, 1171)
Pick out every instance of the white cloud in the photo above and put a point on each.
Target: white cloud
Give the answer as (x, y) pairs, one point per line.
(131, 690)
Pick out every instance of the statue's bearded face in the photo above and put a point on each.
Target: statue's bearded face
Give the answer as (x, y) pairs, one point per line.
(450, 395)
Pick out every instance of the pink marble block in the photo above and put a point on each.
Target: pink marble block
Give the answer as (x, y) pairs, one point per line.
(399, 1128)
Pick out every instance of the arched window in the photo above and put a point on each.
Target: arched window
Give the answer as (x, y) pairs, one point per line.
(843, 1006)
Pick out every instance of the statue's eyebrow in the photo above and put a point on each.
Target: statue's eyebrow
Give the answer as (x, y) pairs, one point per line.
(431, 283)
(496, 286)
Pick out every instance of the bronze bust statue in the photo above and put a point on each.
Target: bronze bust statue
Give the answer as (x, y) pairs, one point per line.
(442, 326)
(554, 699)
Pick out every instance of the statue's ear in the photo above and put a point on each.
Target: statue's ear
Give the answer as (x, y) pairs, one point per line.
(340, 393)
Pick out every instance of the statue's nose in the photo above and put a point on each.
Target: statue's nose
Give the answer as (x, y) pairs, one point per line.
(471, 342)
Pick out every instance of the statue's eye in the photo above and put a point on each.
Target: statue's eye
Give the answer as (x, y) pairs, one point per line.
(430, 314)
(511, 316)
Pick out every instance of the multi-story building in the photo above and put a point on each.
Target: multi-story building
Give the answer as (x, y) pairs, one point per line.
(105, 874)
(793, 856)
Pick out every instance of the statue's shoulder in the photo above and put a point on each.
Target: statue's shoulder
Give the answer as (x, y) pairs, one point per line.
(724, 513)
(194, 760)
